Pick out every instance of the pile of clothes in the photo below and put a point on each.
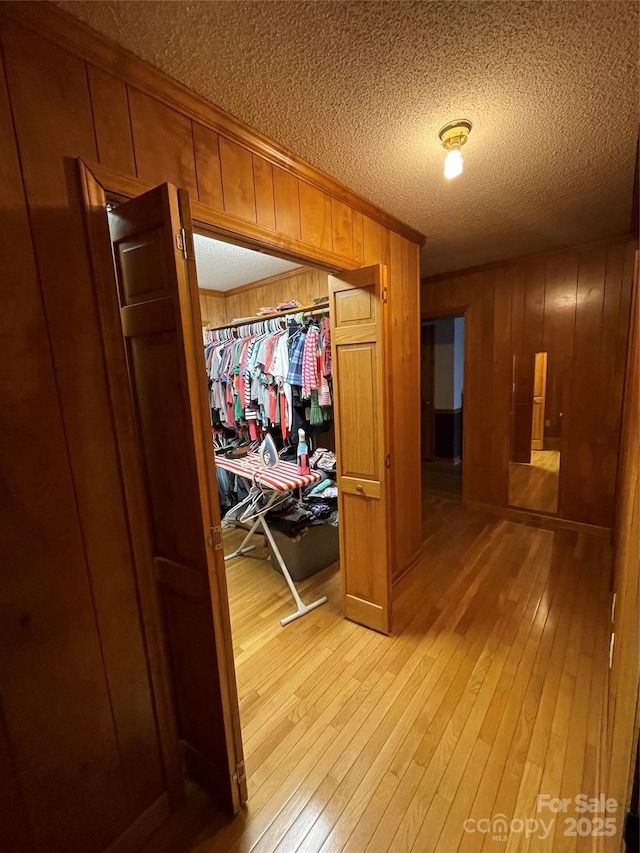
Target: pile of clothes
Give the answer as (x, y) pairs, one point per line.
(290, 305)
(294, 512)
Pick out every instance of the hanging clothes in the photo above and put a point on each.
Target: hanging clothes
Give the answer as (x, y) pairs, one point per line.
(325, 337)
(257, 372)
(310, 362)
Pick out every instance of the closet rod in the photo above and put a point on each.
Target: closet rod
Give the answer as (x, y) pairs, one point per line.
(309, 310)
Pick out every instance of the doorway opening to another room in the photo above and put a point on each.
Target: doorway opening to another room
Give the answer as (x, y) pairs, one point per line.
(442, 404)
(256, 308)
(165, 396)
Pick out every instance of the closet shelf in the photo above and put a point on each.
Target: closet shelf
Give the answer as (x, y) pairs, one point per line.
(315, 308)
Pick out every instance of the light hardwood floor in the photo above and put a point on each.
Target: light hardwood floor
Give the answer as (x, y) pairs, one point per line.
(489, 692)
(535, 486)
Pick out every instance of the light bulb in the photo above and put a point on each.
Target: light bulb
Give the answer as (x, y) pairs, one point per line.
(453, 162)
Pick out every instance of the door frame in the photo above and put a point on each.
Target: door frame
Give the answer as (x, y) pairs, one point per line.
(223, 225)
(443, 314)
(429, 332)
(98, 182)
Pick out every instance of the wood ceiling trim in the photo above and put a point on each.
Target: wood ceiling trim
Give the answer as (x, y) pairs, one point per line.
(204, 291)
(71, 34)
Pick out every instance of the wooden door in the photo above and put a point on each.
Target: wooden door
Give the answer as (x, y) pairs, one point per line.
(427, 385)
(539, 396)
(157, 289)
(363, 416)
(522, 409)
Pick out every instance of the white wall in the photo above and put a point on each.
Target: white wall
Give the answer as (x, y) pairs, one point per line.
(448, 362)
(458, 362)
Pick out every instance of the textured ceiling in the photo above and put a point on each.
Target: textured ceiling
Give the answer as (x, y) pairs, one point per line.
(360, 90)
(222, 266)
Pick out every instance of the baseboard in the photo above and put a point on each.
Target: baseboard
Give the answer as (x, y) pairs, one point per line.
(409, 565)
(527, 517)
(134, 837)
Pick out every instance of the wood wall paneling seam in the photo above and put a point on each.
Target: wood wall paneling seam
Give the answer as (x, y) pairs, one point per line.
(206, 153)
(109, 98)
(263, 188)
(238, 187)
(163, 142)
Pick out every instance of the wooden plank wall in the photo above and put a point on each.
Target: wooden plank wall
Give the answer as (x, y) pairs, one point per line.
(303, 285)
(77, 708)
(575, 305)
(624, 676)
(212, 307)
(85, 750)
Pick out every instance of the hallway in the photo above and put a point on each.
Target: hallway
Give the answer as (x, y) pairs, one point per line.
(441, 479)
(489, 692)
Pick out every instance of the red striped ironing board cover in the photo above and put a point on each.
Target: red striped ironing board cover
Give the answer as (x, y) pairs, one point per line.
(283, 477)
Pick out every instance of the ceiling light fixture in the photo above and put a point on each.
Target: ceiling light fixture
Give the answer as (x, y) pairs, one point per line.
(453, 136)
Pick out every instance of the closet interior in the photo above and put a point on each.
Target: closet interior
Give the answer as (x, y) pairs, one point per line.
(266, 331)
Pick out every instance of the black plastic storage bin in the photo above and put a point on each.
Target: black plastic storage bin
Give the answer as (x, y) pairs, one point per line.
(307, 553)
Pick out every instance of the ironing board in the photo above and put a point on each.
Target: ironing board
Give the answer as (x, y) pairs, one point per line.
(283, 477)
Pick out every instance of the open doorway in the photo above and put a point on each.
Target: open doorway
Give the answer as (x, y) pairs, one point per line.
(281, 564)
(442, 405)
(256, 308)
(149, 304)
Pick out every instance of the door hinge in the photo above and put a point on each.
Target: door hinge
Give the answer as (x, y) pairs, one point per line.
(181, 242)
(384, 295)
(387, 461)
(214, 539)
(239, 774)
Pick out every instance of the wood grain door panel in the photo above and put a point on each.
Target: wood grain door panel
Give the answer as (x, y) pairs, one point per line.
(539, 395)
(159, 310)
(537, 424)
(361, 398)
(354, 309)
(173, 500)
(357, 366)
